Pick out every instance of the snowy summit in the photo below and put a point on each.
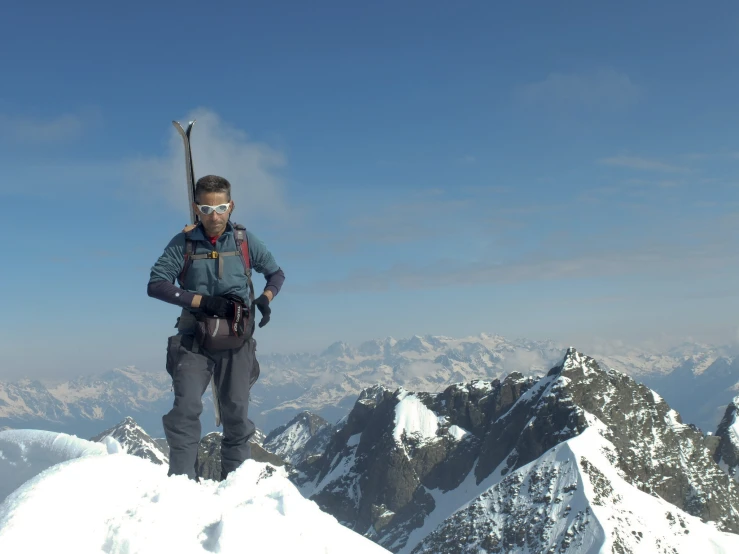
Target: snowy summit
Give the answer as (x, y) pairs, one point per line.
(85, 497)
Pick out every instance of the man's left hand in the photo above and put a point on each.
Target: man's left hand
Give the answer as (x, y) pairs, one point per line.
(263, 304)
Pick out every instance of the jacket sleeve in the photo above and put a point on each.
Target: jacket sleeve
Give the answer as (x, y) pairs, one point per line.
(165, 271)
(263, 262)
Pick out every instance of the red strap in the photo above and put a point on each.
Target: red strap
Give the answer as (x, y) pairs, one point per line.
(245, 252)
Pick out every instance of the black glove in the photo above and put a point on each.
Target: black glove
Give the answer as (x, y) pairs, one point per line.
(216, 306)
(263, 304)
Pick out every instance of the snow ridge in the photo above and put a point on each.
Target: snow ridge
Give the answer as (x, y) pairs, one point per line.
(126, 505)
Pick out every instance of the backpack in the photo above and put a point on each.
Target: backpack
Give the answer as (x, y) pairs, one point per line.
(242, 250)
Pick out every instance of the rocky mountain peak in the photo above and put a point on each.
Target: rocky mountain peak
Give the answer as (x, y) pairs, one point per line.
(403, 460)
(727, 453)
(303, 437)
(338, 349)
(576, 363)
(135, 441)
(208, 464)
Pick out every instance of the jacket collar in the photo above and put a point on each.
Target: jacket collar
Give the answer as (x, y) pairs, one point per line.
(198, 233)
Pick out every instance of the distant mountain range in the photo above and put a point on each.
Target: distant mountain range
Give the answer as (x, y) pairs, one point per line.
(574, 461)
(328, 384)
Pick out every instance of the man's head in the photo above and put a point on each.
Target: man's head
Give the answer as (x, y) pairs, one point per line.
(211, 192)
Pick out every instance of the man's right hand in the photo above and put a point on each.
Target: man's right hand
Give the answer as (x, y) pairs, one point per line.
(216, 306)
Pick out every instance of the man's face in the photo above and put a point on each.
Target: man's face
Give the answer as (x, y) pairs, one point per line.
(214, 222)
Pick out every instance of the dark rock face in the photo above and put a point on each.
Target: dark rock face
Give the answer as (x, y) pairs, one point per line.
(208, 465)
(394, 447)
(727, 451)
(375, 483)
(656, 453)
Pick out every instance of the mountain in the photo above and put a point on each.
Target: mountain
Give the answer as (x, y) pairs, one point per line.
(573, 461)
(88, 405)
(84, 497)
(327, 384)
(305, 436)
(136, 442)
(209, 456)
(700, 387)
(24, 454)
(727, 452)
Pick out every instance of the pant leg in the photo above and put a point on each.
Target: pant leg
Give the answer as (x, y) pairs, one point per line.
(234, 374)
(191, 374)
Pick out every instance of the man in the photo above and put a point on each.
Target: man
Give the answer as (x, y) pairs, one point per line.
(215, 284)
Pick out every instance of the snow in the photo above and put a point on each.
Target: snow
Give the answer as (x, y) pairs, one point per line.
(24, 454)
(457, 432)
(591, 506)
(341, 468)
(638, 521)
(134, 440)
(413, 418)
(657, 398)
(734, 427)
(124, 504)
(289, 443)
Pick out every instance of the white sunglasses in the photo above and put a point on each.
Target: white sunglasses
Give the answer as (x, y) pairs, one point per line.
(207, 210)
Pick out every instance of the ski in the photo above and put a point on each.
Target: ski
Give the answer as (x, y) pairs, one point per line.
(190, 175)
(189, 169)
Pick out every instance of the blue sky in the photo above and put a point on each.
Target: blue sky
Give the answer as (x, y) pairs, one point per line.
(540, 170)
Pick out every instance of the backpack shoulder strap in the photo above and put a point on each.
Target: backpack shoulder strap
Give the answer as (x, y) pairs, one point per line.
(188, 259)
(242, 246)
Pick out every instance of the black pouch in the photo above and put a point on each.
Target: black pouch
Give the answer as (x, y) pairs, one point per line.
(255, 370)
(173, 345)
(219, 333)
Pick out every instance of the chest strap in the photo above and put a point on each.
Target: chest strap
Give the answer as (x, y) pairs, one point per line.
(242, 250)
(214, 255)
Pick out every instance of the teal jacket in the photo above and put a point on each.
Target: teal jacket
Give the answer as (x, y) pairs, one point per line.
(202, 275)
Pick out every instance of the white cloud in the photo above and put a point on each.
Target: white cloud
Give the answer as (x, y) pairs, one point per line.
(63, 127)
(218, 148)
(645, 164)
(605, 88)
(663, 260)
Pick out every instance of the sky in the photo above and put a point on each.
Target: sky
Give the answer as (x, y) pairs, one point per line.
(562, 171)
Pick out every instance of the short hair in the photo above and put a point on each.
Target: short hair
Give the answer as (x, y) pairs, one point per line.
(212, 183)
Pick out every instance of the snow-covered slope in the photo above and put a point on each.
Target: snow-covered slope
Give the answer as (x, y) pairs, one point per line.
(119, 504)
(426, 471)
(571, 499)
(135, 441)
(304, 436)
(24, 454)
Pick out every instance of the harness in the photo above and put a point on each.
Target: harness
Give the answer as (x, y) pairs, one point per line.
(242, 250)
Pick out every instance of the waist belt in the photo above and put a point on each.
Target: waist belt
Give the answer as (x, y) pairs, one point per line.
(186, 322)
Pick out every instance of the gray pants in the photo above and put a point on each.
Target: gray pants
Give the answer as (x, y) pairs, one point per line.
(191, 367)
